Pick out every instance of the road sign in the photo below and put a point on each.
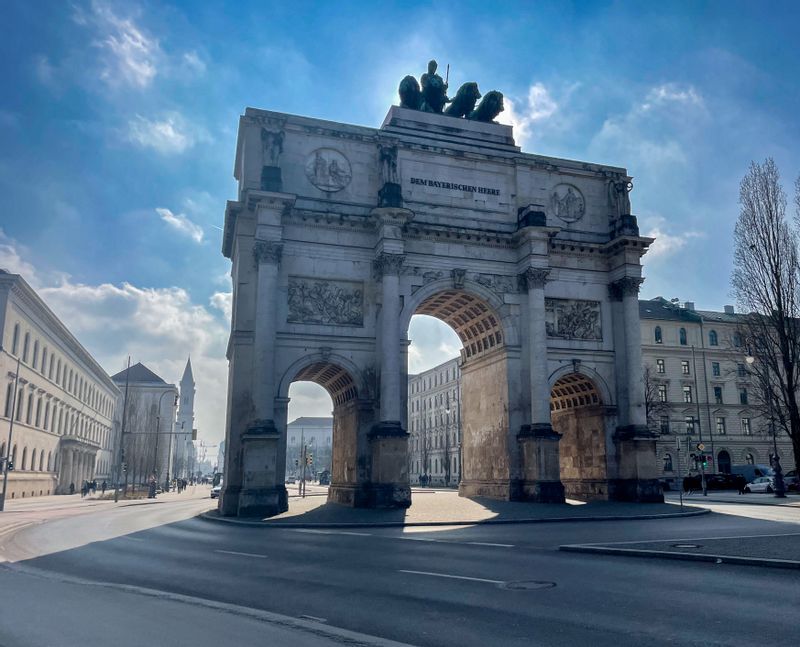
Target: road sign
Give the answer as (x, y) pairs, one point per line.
(701, 446)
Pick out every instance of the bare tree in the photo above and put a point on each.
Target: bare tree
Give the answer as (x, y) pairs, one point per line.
(654, 406)
(766, 283)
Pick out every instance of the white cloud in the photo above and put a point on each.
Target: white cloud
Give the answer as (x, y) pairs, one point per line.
(129, 55)
(192, 63)
(180, 223)
(671, 93)
(536, 109)
(11, 259)
(666, 244)
(432, 342)
(223, 301)
(167, 135)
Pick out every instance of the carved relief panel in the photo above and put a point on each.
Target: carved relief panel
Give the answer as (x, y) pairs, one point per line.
(325, 302)
(573, 319)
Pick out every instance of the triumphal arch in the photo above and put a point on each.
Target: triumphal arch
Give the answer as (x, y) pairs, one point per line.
(341, 233)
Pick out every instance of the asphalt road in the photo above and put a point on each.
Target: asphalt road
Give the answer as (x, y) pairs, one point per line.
(479, 585)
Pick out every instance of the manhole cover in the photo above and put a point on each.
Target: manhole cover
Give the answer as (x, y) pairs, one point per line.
(687, 545)
(528, 585)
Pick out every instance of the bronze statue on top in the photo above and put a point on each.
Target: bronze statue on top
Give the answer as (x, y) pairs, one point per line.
(432, 97)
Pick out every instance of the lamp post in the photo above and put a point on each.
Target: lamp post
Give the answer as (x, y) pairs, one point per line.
(780, 488)
(169, 460)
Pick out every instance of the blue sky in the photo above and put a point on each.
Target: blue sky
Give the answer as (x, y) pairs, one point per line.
(118, 125)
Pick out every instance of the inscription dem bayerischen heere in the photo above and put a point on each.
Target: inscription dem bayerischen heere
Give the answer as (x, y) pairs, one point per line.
(455, 186)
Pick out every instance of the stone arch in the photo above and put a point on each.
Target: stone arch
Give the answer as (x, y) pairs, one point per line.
(578, 414)
(599, 382)
(486, 329)
(352, 420)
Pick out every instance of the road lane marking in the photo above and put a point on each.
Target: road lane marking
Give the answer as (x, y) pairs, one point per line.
(314, 531)
(657, 541)
(489, 543)
(233, 552)
(453, 577)
(314, 618)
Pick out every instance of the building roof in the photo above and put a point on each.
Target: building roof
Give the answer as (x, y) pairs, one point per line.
(187, 372)
(137, 373)
(310, 421)
(720, 317)
(660, 308)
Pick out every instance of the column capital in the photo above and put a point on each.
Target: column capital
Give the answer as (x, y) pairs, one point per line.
(265, 251)
(386, 264)
(624, 287)
(534, 277)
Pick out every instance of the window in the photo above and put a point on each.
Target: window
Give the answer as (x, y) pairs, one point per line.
(659, 338)
(715, 369)
(712, 338)
(15, 342)
(660, 368)
(667, 462)
(741, 370)
(750, 459)
(25, 345)
(9, 400)
(742, 396)
(35, 361)
(721, 426)
(685, 367)
(664, 424)
(682, 336)
(746, 427)
(687, 394)
(29, 414)
(662, 392)
(689, 424)
(737, 339)
(718, 394)
(44, 361)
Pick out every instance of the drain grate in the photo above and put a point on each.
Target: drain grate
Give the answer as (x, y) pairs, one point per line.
(527, 585)
(687, 545)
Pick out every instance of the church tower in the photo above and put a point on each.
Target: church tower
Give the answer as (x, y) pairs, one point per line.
(185, 424)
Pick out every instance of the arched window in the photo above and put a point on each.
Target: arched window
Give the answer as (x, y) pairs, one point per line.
(20, 398)
(41, 461)
(58, 372)
(712, 338)
(33, 460)
(682, 335)
(667, 462)
(46, 416)
(3, 450)
(25, 345)
(750, 459)
(44, 361)
(49, 461)
(35, 361)
(38, 411)
(15, 340)
(659, 338)
(52, 366)
(24, 459)
(14, 455)
(29, 413)
(9, 400)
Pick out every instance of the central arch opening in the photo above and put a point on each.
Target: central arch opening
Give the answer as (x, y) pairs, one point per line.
(458, 402)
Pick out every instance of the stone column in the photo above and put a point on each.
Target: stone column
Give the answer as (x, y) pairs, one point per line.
(637, 473)
(267, 255)
(541, 478)
(389, 267)
(65, 471)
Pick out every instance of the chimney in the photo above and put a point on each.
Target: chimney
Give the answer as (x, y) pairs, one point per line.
(728, 310)
(689, 305)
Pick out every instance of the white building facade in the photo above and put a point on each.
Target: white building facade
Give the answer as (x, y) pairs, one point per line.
(317, 436)
(700, 390)
(64, 405)
(434, 425)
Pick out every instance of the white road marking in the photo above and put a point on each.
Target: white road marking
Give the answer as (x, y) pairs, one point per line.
(314, 618)
(489, 543)
(233, 552)
(428, 539)
(692, 539)
(453, 577)
(314, 531)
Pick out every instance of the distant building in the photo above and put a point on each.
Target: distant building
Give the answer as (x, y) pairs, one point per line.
(434, 425)
(316, 434)
(149, 408)
(65, 401)
(700, 387)
(185, 456)
(220, 466)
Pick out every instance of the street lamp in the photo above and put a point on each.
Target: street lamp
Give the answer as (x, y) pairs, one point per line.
(780, 488)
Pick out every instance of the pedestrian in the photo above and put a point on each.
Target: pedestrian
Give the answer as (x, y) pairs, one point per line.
(72, 488)
(151, 492)
(84, 489)
(741, 483)
(103, 487)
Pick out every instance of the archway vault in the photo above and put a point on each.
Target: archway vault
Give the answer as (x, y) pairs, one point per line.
(473, 320)
(333, 378)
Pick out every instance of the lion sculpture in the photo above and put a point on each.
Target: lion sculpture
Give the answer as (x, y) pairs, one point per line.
(410, 93)
(464, 101)
(489, 107)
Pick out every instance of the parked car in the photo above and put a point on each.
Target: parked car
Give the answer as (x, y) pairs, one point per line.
(290, 480)
(791, 481)
(761, 484)
(751, 472)
(715, 482)
(216, 490)
(324, 477)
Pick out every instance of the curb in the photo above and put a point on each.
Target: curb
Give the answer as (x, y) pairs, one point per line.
(740, 502)
(215, 517)
(691, 557)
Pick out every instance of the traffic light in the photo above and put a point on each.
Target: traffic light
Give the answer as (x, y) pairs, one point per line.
(704, 460)
(10, 466)
(309, 459)
(296, 462)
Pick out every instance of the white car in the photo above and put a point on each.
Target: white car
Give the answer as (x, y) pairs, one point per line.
(216, 490)
(761, 484)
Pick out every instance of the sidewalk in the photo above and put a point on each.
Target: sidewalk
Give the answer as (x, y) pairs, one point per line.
(777, 551)
(446, 508)
(792, 499)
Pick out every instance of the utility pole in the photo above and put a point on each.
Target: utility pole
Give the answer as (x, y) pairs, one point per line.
(121, 450)
(7, 457)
